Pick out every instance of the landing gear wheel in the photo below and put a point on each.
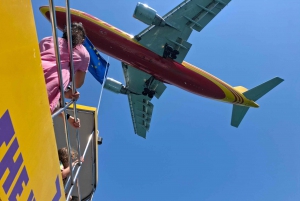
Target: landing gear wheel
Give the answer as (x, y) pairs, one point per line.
(175, 52)
(146, 91)
(169, 48)
(151, 94)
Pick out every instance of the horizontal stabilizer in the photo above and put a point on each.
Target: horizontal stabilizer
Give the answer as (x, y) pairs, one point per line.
(238, 113)
(257, 92)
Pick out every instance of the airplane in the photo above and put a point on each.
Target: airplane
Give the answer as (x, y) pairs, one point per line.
(155, 57)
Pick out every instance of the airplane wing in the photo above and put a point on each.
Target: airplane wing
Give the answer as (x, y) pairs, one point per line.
(180, 22)
(140, 106)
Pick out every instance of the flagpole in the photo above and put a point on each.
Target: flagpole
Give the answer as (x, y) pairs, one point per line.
(104, 80)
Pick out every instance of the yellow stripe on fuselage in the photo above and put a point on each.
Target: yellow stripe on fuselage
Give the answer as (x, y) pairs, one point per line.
(227, 89)
(93, 19)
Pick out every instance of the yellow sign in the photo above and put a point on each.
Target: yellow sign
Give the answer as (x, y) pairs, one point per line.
(29, 165)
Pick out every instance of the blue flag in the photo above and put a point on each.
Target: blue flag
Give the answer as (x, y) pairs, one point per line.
(97, 65)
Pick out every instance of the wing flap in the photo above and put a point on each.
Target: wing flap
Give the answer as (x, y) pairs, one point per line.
(140, 106)
(206, 14)
(141, 113)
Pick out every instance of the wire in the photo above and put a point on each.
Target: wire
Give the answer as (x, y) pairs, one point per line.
(104, 79)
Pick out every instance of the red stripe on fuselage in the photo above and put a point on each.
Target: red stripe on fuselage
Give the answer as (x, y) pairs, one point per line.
(125, 50)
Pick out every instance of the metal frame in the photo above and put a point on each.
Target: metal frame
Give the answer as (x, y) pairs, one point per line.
(76, 171)
(73, 178)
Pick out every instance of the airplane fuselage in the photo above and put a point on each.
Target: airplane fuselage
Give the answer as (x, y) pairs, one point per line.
(125, 48)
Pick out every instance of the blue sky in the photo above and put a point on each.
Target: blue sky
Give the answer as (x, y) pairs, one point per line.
(191, 151)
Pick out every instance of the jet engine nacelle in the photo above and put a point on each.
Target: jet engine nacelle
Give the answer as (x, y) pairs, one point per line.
(115, 86)
(147, 15)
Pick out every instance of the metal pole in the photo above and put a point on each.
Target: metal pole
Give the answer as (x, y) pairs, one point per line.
(53, 22)
(62, 109)
(73, 168)
(62, 96)
(72, 185)
(70, 48)
(68, 17)
(69, 193)
(93, 159)
(92, 196)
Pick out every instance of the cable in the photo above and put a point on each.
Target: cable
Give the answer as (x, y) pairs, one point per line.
(104, 79)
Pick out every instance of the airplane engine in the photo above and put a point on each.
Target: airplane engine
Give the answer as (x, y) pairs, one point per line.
(115, 86)
(147, 15)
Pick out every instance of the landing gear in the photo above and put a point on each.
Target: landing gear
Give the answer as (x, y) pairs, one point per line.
(151, 94)
(147, 90)
(169, 52)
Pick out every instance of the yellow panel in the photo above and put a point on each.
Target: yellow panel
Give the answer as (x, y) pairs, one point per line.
(30, 147)
(84, 107)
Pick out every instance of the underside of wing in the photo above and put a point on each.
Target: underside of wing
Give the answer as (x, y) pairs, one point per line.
(178, 25)
(141, 113)
(141, 87)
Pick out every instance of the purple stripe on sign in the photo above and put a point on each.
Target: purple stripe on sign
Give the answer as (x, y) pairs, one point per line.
(31, 196)
(8, 162)
(58, 192)
(6, 128)
(18, 188)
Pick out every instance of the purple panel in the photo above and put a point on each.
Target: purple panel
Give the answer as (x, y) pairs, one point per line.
(18, 188)
(6, 128)
(8, 162)
(58, 192)
(31, 196)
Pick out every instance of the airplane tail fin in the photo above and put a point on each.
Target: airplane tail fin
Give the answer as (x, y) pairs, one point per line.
(238, 112)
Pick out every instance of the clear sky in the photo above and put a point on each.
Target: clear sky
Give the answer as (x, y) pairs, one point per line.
(191, 151)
